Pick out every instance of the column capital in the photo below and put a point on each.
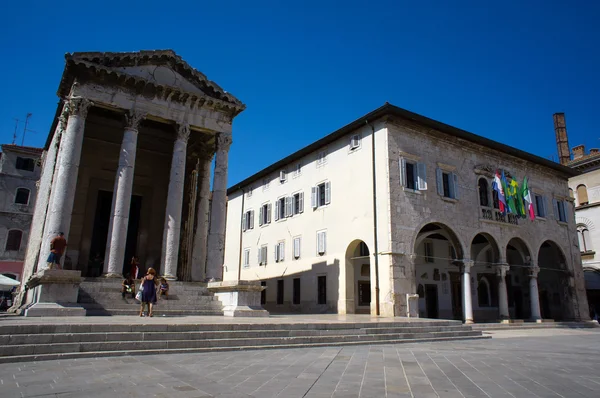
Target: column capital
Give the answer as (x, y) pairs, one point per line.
(62, 119)
(534, 270)
(78, 106)
(183, 132)
(502, 269)
(467, 264)
(133, 119)
(224, 141)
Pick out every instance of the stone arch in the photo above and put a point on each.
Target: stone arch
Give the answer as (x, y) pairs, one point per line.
(585, 221)
(517, 246)
(554, 282)
(431, 229)
(357, 279)
(483, 242)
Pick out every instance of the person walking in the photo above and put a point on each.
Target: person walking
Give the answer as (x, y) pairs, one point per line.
(58, 245)
(149, 283)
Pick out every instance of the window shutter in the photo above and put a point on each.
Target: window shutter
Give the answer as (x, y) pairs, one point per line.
(268, 213)
(455, 186)
(276, 252)
(260, 216)
(324, 234)
(288, 206)
(439, 180)
(259, 255)
(244, 217)
(556, 209)
(403, 172)
(297, 247)
(327, 192)
(319, 242)
(301, 200)
(277, 210)
(535, 206)
(314, 191)
(251, 219)
(545, 203)
(281, 251)
(264, 255)
(422, 176)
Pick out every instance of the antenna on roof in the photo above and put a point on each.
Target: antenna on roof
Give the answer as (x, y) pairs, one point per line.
(15, 132)
(25, 128)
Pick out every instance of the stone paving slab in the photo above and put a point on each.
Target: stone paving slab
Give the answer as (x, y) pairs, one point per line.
(523, 363)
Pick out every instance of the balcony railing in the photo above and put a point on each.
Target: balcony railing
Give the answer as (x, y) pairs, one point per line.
(497, 215)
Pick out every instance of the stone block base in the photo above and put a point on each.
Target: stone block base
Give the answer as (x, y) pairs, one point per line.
(239, 298)
(54, 292)
(55, 309)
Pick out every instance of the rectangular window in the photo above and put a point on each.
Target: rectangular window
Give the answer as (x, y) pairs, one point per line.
(248, 220)
(296, 291)
(26, 164)
(279, 252)
(246, 258)
(264, 214)
(249, 193)
(298, 170)
(321, 158)
(263, 293)
(282, 176)
(321, 195)
(262, 255)
(321, 242)
(413, 175)
(265, 184)
(322, 289)
(447, 184)
(355, 142)
(298, 203)
(560, 211)
(540, 206)
(280, 209)
(428, 246)
(297, 247)
(280, 291)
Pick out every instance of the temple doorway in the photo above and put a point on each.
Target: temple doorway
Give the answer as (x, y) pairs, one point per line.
(101, 225)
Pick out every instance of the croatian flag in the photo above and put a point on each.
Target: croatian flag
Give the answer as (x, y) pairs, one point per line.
(497, 186)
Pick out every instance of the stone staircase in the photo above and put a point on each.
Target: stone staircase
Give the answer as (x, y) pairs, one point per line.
(34, 342)
(547, 324)
(101, 296)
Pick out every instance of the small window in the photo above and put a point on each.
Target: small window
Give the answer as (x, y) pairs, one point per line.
(585, 243)
(22, 196)
(298, 203)
(282, 176)
(265, 184)
(447, 184)
(321, 158)
(413, 175)
(297, 241)
(263, 293)
(322, 290)
(355, 142)
(483, 192)
(296, 291)
(26, 164)
(560, 210)
(321, 242)
(279, 252)
(249, 193)
(582, 195)
(248, 220)
(264, 214)
(280, 291)
(540, 206)
(321, 195)
(298, 170)
(262, 255)
(13, 240)
(428, 249)
(246, 258)
(280, 208)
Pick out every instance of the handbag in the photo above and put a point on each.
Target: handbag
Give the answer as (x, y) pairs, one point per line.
(141, 289)
(138, 296)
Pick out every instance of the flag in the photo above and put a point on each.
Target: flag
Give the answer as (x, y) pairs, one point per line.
(527, 199)
(506, 192)
(497, 186)
(513, 200)
(518, 198)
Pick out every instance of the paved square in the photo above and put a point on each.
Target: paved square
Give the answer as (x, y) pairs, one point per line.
(530, 363)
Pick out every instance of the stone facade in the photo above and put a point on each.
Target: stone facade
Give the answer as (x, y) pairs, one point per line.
(121, 167)
(411, 227)
(19, 173)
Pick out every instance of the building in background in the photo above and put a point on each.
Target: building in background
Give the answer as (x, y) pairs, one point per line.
(585, 190)
(395, 214)
(19, 173)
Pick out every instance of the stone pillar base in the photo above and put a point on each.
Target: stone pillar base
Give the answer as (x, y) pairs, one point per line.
(54, 293)
(412, 305)
(239, 298)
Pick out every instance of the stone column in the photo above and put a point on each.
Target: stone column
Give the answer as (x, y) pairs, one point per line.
(218, 211)
(121, 201)
(172, 229)
(501, 270)
(534, 295)
(203, 214)
(467, 302)
(65, 182)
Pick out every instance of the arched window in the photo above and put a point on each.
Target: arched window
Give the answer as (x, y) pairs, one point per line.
(582, 196)
(483, 292)
(483, 192)
(585, 243)
(13, 241)
(22, 196)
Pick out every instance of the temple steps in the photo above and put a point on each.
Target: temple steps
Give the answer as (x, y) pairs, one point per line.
(547, 324)
(35, 342)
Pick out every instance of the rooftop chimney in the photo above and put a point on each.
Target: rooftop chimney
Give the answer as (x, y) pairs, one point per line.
(594, 151)
(578, 152)
(562, 141)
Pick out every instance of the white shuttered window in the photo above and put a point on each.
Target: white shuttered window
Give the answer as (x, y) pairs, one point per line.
(321, 242)
(413, 175)
(297, 247)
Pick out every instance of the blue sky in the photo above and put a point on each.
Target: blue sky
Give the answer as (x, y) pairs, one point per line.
(306, 68)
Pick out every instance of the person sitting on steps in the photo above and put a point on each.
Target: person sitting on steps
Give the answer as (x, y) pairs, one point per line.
(164, 288)
(128, 286)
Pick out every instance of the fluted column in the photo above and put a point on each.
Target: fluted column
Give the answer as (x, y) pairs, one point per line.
(64, 184)
(218, 211)
(534, 295)
(467, 301)
(199, 252)
(501, 270)
(172, 228)
(121, 201)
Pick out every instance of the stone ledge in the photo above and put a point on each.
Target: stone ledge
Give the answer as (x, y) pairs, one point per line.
(54, 276)
(239, 298)
(54, 309)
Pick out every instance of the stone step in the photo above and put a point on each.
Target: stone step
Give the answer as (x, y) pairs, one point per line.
(163, 312)
(533, 325)
(125, 352)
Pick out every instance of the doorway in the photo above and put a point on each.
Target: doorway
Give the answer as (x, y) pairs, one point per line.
(102, 222)
(456, 291)
(431, 301)
(364, 294)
